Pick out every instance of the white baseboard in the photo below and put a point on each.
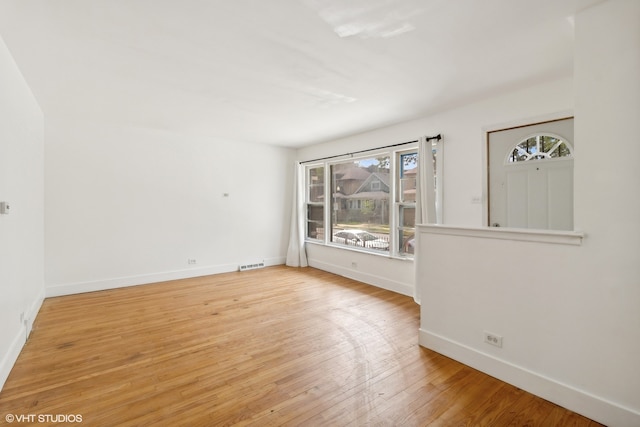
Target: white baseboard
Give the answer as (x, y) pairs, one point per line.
(143, 279)
(584, 403)
(32, 311)
(18, 342)
(10, 357)
(360, 276)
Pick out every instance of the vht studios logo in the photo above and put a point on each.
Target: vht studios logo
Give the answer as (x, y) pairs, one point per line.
(43, 418)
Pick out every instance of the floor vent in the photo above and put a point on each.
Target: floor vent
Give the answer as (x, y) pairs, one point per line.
(246, 267)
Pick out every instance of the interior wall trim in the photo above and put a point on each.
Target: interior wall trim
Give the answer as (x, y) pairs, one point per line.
(145, 279)
(360, 276)
(19, 340)
(565, 395)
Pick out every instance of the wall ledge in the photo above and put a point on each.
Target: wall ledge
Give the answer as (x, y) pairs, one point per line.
(518, 234)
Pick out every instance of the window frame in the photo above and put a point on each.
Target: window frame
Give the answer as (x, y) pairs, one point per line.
(394, 204)
(309, 203)
(373, 154)
(400, 204)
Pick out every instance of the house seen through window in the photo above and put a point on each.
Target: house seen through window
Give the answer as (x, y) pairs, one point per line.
(360, 203)
(365, 204)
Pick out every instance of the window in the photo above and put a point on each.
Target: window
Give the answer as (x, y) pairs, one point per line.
(369, 203)
(360, 202)
(406, 201)
(361, 238)
(315, 202)
(539, 147)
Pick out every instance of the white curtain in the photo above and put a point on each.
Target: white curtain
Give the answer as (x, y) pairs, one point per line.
(425, 200)
(296, 254)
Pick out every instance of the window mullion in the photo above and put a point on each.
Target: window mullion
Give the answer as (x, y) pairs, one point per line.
(393, 198)
(439, 173)
(328, 203)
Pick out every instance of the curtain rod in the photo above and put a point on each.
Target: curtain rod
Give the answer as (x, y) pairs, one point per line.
(438, 137)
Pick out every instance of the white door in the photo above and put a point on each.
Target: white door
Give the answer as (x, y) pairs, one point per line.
(531, 176)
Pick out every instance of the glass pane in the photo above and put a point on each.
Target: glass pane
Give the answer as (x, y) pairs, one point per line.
(563, 150)
(538, 148)
(529, 145)
(315, 181)
(315, 212)
(407, 220)
(315, 230)
(406, 241)
(408, 167)
(407, 216)
(360, 202)
(547, 143)
(315, 221)
(518, 155)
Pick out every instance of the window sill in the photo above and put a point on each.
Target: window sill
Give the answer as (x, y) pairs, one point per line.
(519, 234)
(362, 251)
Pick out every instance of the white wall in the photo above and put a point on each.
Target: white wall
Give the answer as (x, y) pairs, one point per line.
(462, 130)
(128, 206)
(607, 200)
(571, 323)
(22, 231)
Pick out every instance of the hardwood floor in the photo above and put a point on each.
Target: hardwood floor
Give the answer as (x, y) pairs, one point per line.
(270, 347)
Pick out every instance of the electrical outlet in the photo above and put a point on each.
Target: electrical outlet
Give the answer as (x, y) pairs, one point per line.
(191, 261)
(493, 339)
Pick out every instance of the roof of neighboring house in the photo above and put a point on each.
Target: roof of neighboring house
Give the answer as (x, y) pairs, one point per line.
(383, 176)
(380, 176)
(356, 173)
(412, 171)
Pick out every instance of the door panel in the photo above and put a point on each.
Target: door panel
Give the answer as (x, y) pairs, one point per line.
(517, 182)
(560, 194)
(535, 193)
(537, 206)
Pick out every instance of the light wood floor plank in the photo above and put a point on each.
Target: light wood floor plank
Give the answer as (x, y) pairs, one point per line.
(270, 347)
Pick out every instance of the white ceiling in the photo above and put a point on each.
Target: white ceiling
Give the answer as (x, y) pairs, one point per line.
(282, 72)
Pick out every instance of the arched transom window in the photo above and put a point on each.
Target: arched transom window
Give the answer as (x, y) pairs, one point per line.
(540, 147)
